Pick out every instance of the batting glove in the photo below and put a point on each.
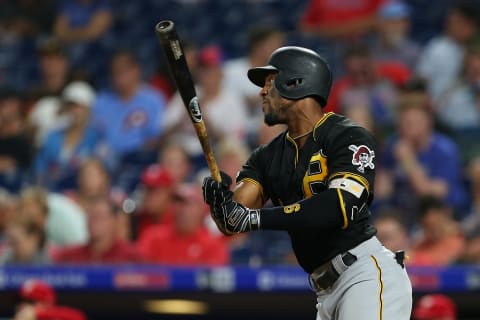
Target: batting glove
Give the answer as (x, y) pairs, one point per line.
(230, 216)
(215, 194)
(238, 218)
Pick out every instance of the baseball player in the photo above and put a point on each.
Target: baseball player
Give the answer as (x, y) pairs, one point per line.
(319, 175)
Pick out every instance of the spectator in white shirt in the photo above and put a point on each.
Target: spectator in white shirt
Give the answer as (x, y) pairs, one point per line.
(441, 61)
(223, 109)
(461, 107)
(262, 41)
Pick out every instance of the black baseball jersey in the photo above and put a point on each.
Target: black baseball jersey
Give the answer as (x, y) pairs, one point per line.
(337, 148)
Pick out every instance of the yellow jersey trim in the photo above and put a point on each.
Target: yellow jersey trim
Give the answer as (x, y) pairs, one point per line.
(380, 300)
(255, 182)
(352, 175)
(344, 211)
(317, 125)
(320, 122)
(296, 148)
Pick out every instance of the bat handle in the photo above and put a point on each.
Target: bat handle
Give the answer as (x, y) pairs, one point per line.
(207, 150)
(214, 170)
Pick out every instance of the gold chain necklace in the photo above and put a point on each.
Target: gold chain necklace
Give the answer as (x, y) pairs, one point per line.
(302, 135)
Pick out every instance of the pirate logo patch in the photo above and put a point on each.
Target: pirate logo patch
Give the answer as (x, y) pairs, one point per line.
(362, 157)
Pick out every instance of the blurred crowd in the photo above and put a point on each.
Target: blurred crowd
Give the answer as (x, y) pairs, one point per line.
(99, 162)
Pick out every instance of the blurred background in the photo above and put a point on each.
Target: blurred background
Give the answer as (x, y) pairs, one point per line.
(101, 212)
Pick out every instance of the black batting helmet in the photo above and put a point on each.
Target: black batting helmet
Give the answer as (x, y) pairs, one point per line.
(301, 73)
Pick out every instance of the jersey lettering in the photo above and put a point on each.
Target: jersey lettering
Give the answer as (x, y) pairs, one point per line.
(317, 172)
(291, 208)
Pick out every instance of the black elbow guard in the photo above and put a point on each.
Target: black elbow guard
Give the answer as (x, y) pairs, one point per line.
(352, 196)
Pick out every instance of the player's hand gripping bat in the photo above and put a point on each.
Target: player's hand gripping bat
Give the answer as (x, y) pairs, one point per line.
(173, 50)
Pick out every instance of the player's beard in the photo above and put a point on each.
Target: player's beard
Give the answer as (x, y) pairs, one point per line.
(277, 115)
(271, 118)
(276, 108)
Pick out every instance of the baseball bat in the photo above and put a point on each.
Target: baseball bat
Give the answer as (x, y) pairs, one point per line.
(172, 47)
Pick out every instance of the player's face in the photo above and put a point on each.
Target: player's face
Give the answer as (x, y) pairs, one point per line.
(274, 106)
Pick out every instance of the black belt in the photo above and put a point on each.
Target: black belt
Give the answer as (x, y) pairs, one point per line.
(323, 277)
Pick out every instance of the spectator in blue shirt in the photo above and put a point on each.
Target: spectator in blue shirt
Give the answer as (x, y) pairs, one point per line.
(64, 150)
(418, 161)
(129, 116)
(84, 26)
(15, 146)
(82, 20)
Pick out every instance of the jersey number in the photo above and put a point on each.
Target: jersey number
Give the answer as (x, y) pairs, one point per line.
(291, 208)
(317, 172)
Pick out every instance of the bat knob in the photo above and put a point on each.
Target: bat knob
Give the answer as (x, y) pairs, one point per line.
(164, 26)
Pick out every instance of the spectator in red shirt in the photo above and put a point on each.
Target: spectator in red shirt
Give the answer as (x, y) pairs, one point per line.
(57, 313)
(38, 303)
(441, 242)
(392, 231)
(362, 87)
(157, 199)
(187, 241)
(340, 18)
(103, 245)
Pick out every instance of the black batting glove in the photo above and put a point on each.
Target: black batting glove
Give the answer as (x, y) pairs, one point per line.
(230, 216)
(236, 218)
(214, 193)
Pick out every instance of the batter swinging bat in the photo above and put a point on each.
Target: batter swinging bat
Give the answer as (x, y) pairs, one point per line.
(173, 50)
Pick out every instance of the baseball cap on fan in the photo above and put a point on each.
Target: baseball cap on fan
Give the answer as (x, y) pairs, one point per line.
(37, 291)
(156, 176)
(210, 56)
(394, 10)
(79, 92)
(435, 306)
